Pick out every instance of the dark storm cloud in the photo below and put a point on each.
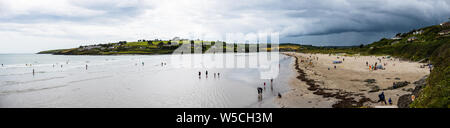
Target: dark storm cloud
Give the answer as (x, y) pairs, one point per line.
(367, 16)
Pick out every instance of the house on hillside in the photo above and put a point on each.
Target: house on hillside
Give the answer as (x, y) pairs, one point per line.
(418, 32)
(444, 32)
(412, 39)
(445, 25)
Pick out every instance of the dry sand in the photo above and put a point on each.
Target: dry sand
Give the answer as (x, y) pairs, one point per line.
(345, 85)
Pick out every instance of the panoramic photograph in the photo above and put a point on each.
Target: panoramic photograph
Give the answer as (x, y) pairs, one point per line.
(224, 54)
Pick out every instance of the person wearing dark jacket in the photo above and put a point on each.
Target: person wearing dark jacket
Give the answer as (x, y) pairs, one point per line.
(382, 98)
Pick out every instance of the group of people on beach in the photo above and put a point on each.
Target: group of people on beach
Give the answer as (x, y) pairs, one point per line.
(382, 99)
(260, 90)
(206, 74)
(376, 65)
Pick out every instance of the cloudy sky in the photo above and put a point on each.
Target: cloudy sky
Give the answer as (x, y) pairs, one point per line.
(28, 26)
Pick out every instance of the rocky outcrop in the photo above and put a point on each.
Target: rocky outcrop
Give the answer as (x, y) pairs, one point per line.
(405, 100)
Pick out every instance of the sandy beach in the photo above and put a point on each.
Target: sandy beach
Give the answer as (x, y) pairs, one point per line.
(351, 84)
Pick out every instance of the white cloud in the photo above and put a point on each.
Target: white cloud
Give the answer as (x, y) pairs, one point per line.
(56, 22)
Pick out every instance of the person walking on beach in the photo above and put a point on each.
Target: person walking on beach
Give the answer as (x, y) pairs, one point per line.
(214, 75)
(218, 75)
(264, 85)
(390, 101)
(142, 63)
(199, 74)
(86, 66)
(382, 98)
(2, 65)
(367, 63)
(33, 72)
(206, 73)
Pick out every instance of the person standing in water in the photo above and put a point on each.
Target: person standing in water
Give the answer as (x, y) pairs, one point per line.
(86, 66)
(142, 63)
(260, 90)
(2, 65)
(214, 75)
(206, 73)
(199, 74)
(218, 75)
(33, 72)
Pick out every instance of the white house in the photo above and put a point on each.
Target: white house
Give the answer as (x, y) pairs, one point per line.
(412, 38)
(418, 32)
(445, 25)
(444, 32)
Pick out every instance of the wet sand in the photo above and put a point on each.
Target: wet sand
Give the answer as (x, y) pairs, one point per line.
(347, 85)
(123, 81)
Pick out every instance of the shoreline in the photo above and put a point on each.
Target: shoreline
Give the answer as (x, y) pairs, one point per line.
(340, 88)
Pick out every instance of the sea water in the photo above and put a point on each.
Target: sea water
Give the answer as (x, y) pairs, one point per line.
(133, 81)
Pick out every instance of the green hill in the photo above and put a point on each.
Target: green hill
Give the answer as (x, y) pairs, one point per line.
(428, 45)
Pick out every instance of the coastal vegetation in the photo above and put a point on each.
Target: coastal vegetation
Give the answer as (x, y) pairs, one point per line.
(427, 45)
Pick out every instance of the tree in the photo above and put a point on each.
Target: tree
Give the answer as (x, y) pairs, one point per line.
(361, 46)
(160, 44)
(150, 42)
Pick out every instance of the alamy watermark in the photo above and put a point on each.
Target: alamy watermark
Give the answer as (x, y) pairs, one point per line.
(259, 51)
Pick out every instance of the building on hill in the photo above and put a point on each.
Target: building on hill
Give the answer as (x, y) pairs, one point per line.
(444, 32)
(418, 32)
(445, 25)
(412, 38)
